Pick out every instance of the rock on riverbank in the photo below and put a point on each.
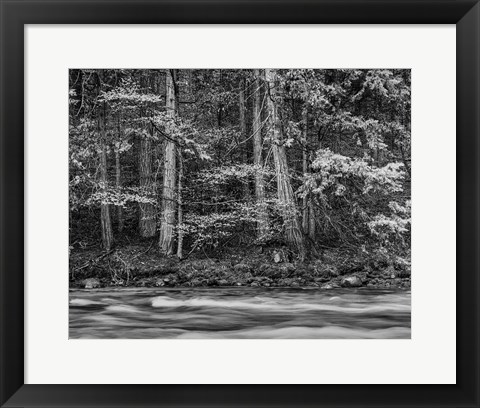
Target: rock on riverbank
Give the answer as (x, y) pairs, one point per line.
(135, 267)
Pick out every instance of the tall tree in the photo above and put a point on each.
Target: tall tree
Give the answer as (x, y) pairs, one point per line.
(262, 223)
(243, 126)
(167, 226)
(241, 105)
(118, 177)
(308, 216)
(180, 205)
(147, 224)
(105, 221)
(293, 232)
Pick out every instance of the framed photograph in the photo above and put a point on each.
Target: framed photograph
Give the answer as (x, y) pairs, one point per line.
(213, 204)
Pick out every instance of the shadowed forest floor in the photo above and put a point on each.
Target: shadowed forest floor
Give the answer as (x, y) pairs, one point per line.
(140, 265)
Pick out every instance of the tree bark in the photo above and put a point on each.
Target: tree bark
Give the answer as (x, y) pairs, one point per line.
(262, 222)
(293, 232)
(118, 175)
(243, 130)
(308, 219)
(241, 105)
(118, 185)
(305, 204)
(180, 207)
(311, 219)
(169, 175)
(146, 224)
(105, 221)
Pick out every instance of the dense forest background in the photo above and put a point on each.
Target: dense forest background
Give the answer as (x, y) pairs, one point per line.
(298, 166)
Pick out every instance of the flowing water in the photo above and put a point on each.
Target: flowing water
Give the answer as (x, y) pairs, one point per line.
(241, 313)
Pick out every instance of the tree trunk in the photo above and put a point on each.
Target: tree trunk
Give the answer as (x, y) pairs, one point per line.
(308, 218)
(106, 223)
(305, 204)
(286, 198)
(243, 130)
(118, 185)
(311, 219)
(241, 105)
(146, 224)
(180, 207)
(169, 175)
(262, 222)
(118, 175)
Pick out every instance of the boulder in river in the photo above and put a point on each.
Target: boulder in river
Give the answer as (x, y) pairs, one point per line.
(351, 282)
(91, 283)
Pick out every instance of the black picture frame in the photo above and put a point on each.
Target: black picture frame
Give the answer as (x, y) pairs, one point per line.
(15, 14)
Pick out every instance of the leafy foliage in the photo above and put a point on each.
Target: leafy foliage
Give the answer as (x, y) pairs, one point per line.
(346, 134)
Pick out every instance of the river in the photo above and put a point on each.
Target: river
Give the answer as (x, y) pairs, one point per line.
(240, 313)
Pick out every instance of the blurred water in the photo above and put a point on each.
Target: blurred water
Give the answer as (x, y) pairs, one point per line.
(242, 313)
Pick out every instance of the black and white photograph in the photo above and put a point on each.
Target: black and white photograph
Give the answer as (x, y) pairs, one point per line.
(263, 203)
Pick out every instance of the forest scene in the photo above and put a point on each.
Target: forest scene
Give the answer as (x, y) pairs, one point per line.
(253, 203)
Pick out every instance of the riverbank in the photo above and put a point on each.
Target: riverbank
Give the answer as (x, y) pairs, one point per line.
(142, 266)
